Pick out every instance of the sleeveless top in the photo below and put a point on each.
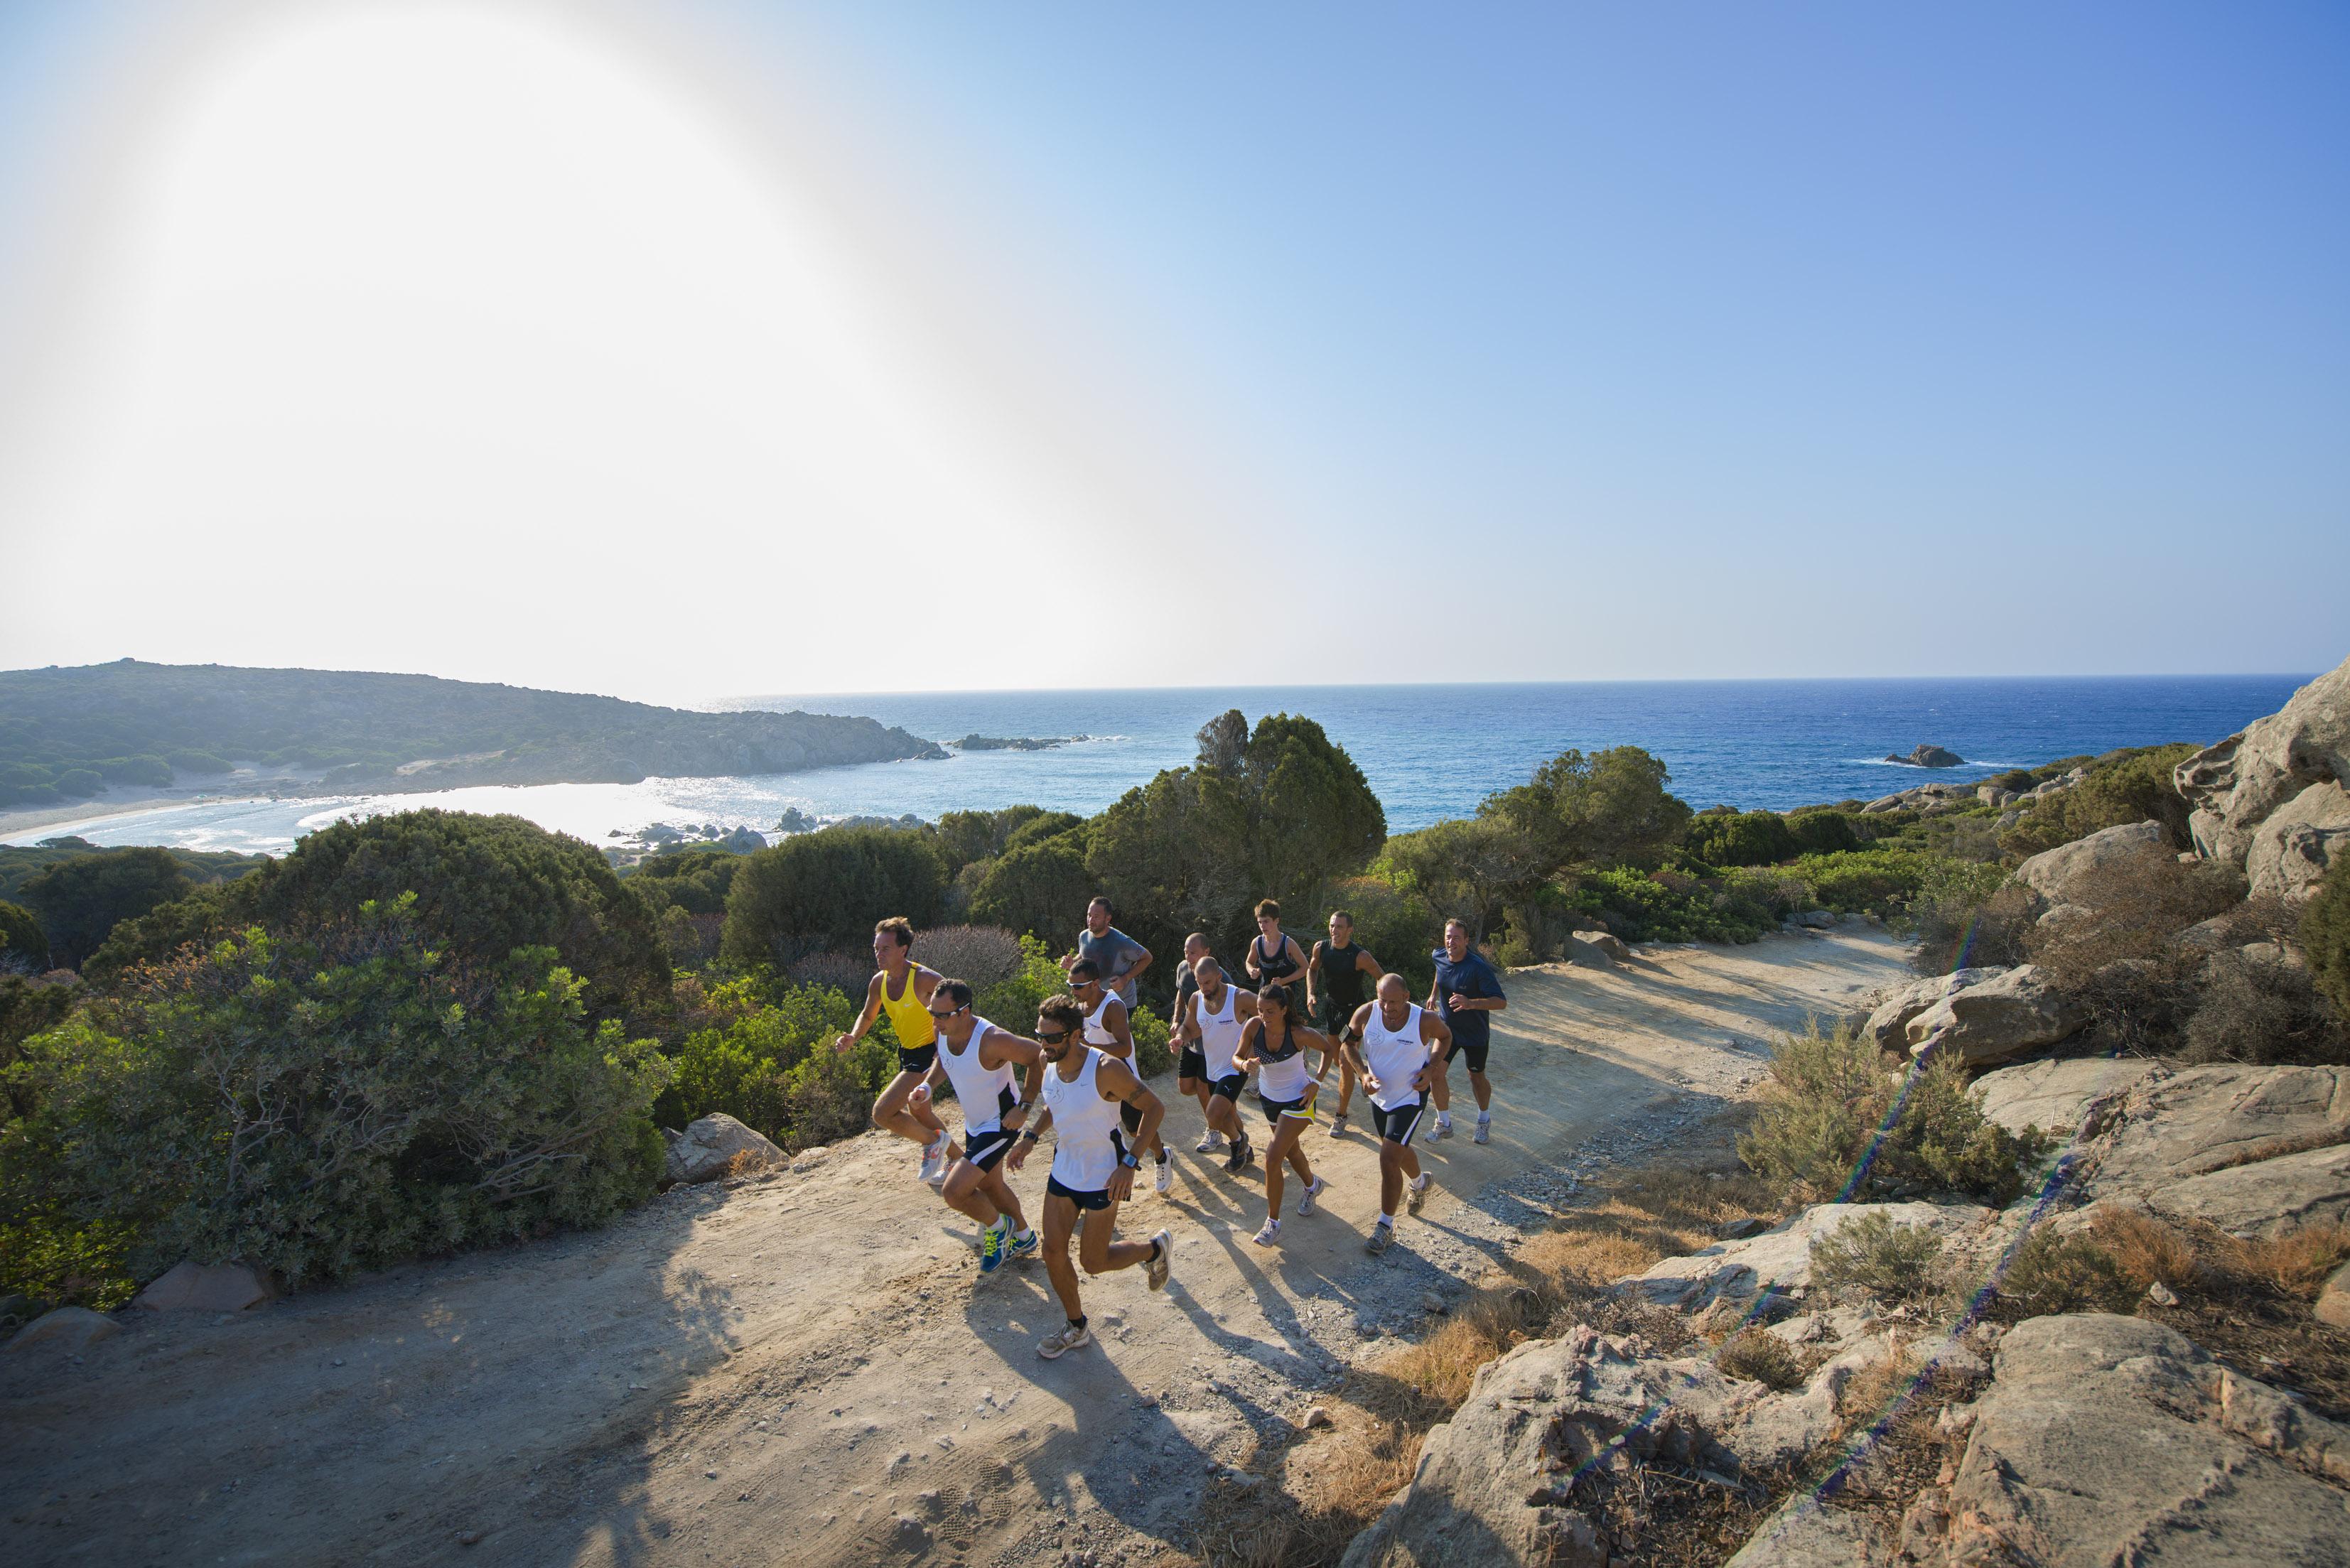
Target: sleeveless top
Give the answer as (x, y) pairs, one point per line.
(1280, 1070)
(1219, 1032)
(1342, 982)
(1085, 1126)
(1279, 967)
(1394, 1056)
(909, 1015)
(1096, 1031)
(985, 1092)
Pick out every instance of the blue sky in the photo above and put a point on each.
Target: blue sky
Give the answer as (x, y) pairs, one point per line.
(1532, 342)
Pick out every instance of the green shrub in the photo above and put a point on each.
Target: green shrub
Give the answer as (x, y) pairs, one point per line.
(23, 948)
(694, 881)
(2051, 1275)
(2326, 938)
(1045, 825)
(1870, 1254)
(1666, 907)
(1040, 886)
(152, 771)
(199, 764)
(1966, 912)
(1877, 880)
(1823, 831)
(965, 836)
(81, 900)
(79, 784)
(1834, 1124)
(485, 885)
(741, 1064)
(1758, 1355)
(2122, 787)
(1747, 838)
(815, 890)
(317, 1107)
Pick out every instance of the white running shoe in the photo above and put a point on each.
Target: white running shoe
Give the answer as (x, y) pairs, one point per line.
(1165, 1180)
(935, 1163)
(1208, 1141)
(1270, 1234)
(1484, 1131)
(1313, 1188)
(1381, 1237)
(1070, 1338)
(1444, 1126)
(1416, 1193)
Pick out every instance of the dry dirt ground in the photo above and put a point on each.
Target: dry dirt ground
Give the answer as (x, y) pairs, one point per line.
(807, 1367)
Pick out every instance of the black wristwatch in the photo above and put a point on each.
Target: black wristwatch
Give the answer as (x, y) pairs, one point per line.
(1128, 1161)
(1027, 1138)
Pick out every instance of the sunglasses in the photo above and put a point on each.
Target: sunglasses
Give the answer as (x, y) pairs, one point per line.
(1054, 1038)
(949, 1012)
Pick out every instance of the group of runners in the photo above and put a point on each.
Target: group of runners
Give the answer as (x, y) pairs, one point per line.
(1076, 1077)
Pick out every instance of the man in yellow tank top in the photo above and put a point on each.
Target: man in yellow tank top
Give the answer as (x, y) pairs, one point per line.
(902, 990)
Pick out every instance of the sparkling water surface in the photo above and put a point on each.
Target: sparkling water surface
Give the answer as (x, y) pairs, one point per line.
(1429, 751)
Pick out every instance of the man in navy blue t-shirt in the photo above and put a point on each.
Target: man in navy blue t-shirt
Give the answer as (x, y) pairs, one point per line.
(1465, 991)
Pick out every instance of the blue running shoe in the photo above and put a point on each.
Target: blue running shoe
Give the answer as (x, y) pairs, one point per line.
(991, 1248)
(1024, 1245)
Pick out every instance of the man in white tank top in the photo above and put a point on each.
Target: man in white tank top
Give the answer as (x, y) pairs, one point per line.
(979, 1060)
(1079, 1090)
(1212, 1025)
(1108, 1029)
(1398, 1051)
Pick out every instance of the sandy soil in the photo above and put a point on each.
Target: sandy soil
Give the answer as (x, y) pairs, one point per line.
(808, 1368)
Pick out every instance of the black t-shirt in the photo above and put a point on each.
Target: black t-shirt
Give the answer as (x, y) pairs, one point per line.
(1342, 982)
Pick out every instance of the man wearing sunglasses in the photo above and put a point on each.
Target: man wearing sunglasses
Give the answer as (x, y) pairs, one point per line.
(1108, 1029)
(1093, 1170)
(979, 1059)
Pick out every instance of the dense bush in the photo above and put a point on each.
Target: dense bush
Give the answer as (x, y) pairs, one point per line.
(79, 784)
(2122, 787)
(1744, 839)
(199, 764)
(485, 885)
(1396, 927)
(28, 1006)
(967, 836)
(24, 947)
(1871, 1254)
(2245, 1010)
(2052, 1273)
(1824, 831)
(815, 890)
(694, 881)
(1966, 912)
(322, 1106)
(750, 1059)
(152, 771)
(81, 900)
(1667, 906)
(1045, 825)
(1039, 886)
(2326, 939)
(1834, 1124)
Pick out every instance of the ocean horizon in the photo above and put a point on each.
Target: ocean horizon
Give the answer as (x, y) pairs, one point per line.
(1429, 751)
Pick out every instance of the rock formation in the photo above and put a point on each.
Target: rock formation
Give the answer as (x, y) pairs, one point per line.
(2270, 800)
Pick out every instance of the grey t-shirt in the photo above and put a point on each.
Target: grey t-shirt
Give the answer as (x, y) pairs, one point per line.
(1114, 952)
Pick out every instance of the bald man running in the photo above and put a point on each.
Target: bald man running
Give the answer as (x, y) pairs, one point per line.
(1398, 1051)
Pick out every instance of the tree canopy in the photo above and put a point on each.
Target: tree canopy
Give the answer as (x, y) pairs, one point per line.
(81, 900)
(815, 890)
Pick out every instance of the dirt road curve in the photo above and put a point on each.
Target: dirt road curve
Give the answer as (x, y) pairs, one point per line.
(808, 1369)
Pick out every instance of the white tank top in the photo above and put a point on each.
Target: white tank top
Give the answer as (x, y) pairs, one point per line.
(1285, 1079)
(1395, 1058)
(980, 1089)
(1085, 1126)
(1096, 1031)
(1219, 1033)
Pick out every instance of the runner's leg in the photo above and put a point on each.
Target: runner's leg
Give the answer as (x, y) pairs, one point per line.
(1060, 1219)
(1282, 1149)
(999, 1192)
(892, 1114)
(1098, 1253)
(967, 1191)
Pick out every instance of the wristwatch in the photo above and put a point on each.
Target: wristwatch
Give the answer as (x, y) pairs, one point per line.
(1128, 1161)
(1027, 1138)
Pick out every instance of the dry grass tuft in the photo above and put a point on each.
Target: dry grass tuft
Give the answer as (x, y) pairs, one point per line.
(1760, 1356)
(2298, 1263)
(2149, 1251)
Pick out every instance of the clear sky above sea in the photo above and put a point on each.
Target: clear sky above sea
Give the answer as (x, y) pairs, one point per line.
(719, 347)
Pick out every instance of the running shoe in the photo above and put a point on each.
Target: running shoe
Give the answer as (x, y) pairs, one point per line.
(991, 1247)
(1484, 1131)
(1313, 1190)
(1270, 1234)
(1243, 1152)
(1443, 1127)
(1074, 1338)
(1338, 1123)
(1155, 1272)
(1208, 1141)
(1381, 1237)
(1023, 1246)
(1165, 1180)
(1416, 1194)
(935, 1163)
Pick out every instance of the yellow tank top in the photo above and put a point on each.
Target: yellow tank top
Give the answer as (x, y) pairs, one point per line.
(909, 1015)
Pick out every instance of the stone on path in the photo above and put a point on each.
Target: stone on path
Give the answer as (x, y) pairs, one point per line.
(190, 1286)
(708, 1148)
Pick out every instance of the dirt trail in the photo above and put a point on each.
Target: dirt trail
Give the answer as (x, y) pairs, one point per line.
(808, 1369)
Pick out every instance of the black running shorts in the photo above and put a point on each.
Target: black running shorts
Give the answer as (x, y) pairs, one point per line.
(1472, 1054)
(983, 1150)
(1191, 1064)
(1275, 1110)
(1229, 1086)
(1097, 1198)
(921, 1059)
(1397, 1124)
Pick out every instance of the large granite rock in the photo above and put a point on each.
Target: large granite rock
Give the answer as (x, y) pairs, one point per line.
(2236, 786)
(2092, 871)
(2267, 1198)
(1780, 1259)
(2334, 1302)
(2113, 1440)
(1598, 949)
(2291, 849)
(190, 1286)
(68, 1331)
(1809, 1533)
(708, 1148)
(2077, 1097)
(2203, 1119)
(1888, 1021)
(2020, 1011)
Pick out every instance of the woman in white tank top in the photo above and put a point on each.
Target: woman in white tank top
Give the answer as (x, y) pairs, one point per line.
(1275, 1043)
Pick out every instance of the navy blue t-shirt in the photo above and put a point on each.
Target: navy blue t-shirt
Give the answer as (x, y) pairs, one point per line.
(1473, 977)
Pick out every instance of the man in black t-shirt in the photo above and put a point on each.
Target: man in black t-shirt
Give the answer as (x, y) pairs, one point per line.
(1338, 978)
(1466, 989)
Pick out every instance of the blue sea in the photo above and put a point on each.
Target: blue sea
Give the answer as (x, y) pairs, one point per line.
(1430, 752)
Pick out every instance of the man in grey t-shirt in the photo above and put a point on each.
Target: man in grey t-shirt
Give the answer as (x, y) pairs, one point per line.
(1119, 957)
